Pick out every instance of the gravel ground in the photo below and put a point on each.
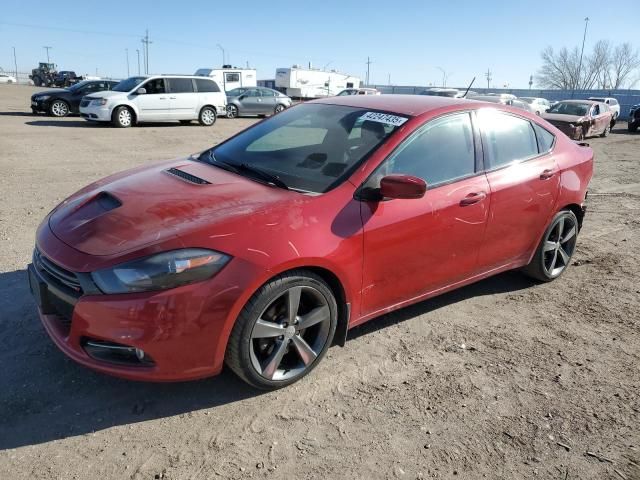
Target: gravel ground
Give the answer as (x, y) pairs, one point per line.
(502, 379)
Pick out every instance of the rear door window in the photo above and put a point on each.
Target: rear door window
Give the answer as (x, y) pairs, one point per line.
(207, 85)
(545, 139)
(506, 138)
(180, 85)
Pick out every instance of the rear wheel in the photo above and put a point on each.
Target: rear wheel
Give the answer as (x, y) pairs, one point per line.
(59, 108)
(122, 117)
(279, 108)
(632, 126)
(283, 331)
(207, 116)
(606, 131)
(556, 248)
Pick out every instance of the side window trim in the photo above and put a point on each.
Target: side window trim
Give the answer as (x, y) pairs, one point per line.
(483, 135)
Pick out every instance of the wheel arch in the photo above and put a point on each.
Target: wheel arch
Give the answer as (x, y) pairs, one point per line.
(131, 108)
(577, 210)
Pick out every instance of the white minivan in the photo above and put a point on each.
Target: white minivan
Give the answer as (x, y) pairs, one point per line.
(157, 98)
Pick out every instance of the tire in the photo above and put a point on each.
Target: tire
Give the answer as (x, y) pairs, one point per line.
(279, 108)
(632, 127)
(185, 122)
(232, 111)
(37, 81)
(257, 351)
(606, 131)
(122, 117)
(207, 116)
(59, 108)
(557, 246)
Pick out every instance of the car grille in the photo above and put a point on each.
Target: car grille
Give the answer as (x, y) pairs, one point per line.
(58, 275)
(187, 177)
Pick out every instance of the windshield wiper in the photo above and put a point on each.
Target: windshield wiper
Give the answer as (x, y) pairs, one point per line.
(239, 168)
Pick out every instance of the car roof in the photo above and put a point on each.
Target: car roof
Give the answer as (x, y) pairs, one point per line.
(588, 102)
(404, 104)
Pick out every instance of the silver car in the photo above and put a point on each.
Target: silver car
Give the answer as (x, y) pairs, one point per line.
(255, 101)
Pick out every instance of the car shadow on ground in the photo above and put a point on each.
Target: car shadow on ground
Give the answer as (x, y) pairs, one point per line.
(16, 114)
(60, 123)
(45, 396)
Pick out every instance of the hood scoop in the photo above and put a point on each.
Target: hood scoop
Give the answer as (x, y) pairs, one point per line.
(187, 177)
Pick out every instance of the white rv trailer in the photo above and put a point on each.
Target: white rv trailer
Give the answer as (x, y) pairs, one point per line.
(229, 77)
(301, 82)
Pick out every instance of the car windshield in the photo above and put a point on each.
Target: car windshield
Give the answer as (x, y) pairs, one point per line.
(578, 109)
(128, 84)
(79, 85)
(308, 148)
(236, 92)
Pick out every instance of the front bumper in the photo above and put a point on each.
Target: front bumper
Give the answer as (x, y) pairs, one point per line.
(183, 330)
(39, 105)
(96, 113)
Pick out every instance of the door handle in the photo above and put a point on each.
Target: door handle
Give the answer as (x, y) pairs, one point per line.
(172, 98)
(547, 174)
(162, 98)
(472, 199)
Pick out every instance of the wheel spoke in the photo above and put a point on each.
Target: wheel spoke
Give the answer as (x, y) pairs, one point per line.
(293, 303)
(307, 355)
(565, 257)
(569, 235)
(273, 362)
(266, 329)
(554, 260)
(317, 315)
(548, 246)
(560, 227)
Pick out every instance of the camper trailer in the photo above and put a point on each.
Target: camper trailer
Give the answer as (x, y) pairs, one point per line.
(301, 82)
(229, 77)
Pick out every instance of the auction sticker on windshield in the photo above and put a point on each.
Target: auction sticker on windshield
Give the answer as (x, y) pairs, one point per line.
(387, 118)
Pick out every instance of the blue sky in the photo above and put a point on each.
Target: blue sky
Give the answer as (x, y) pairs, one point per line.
(408, 40)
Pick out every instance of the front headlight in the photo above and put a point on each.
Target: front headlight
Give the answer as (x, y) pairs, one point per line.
(162, 271)
(43, 97)
(99, 101)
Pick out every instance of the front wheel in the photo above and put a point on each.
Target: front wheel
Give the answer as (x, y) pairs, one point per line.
(59, 108)
(207, 117)
(556, 248)
(232, 111)
(122, 117)
(279, 108)
(283, 331)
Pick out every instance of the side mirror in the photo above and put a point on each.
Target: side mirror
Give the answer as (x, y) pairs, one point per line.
(402, 187)
(141, 91)
(242, 97)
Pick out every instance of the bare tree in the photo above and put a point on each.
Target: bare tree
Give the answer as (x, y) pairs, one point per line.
(604, 67)
(623, 62)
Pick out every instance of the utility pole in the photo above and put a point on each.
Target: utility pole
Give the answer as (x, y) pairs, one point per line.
(15, 63)
(584, 37)
(488, 75)
(47, 49)
(530, 81)
(389, 79)
(138, 52)
(369, 62)
(127, 51)
(224, 58)
(146, 42)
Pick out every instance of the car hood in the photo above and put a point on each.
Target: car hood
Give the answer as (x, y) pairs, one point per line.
(561, 117)
(105, 94)
(148, 205)
(51, 93)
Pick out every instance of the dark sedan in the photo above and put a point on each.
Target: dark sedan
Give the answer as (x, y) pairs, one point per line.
(62, 102)
(255, 101)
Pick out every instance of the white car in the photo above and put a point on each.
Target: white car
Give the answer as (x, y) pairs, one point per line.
(358, 91)
(537, 104)
(157, 98)
(614, 106)
(4, 78)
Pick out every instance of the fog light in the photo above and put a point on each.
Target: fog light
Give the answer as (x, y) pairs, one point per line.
(140, 354)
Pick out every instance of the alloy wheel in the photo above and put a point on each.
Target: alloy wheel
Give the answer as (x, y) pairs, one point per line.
(124, 117)
(279, 108)
(208, 117)
(290, 333)
(559, 245)
(232, 111)
(59, 109)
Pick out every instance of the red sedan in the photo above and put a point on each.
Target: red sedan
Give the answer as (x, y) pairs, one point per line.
(264, 250)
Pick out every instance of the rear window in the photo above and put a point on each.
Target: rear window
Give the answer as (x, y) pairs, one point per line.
(545, 138)
(206, 85)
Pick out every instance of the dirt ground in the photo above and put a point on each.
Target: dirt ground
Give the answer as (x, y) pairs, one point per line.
(502, 379)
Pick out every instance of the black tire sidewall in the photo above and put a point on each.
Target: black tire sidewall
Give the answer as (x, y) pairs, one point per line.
(237, 111)
(241, 334)
(116, 118)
